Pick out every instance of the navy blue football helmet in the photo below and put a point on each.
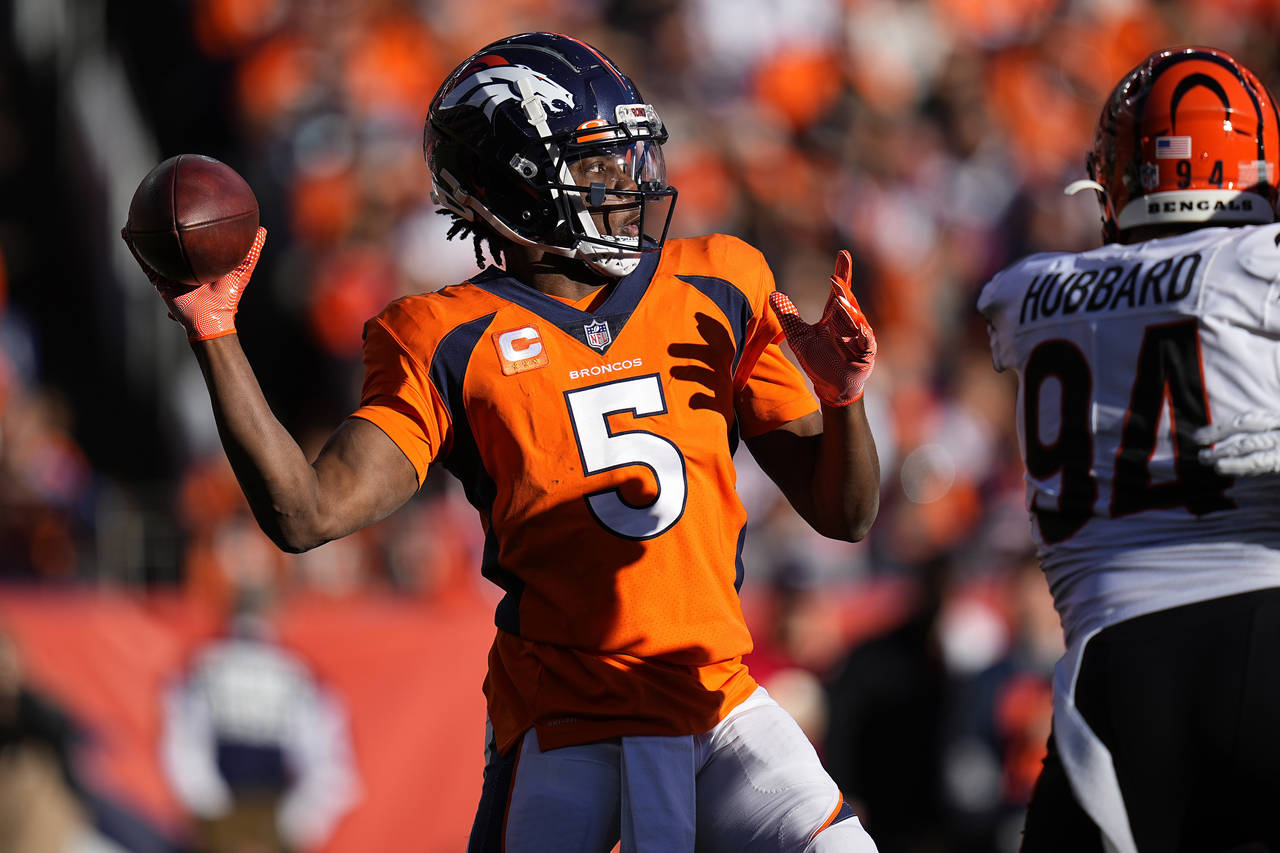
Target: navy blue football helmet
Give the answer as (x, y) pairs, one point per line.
(533, 133)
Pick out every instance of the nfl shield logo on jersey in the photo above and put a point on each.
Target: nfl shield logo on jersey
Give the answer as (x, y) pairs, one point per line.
(598, 334)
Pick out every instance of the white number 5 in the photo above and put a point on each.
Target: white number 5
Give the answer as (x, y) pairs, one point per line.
(601, 449)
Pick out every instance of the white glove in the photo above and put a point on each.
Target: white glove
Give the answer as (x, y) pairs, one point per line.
(1248, 444)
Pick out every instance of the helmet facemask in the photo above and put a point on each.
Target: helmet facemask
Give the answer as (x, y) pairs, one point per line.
(611, 186)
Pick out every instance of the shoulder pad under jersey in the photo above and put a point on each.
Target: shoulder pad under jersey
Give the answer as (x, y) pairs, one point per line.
(1259, 252)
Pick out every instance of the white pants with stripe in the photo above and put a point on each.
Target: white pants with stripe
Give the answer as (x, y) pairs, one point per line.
(753, 784)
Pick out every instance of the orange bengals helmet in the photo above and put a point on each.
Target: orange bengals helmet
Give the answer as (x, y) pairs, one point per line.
(1188, 136)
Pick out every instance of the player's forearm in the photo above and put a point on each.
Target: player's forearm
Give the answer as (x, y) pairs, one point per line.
(277, 480)
(846, 474)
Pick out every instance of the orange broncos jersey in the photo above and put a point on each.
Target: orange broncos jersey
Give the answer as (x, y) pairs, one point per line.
(597, 447)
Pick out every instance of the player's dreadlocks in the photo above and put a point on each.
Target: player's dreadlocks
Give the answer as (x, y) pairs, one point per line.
(480, 233)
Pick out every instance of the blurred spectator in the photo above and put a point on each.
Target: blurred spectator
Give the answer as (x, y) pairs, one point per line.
(999, 637)
(937, 724)
(46, 510)
(225, 551)
(41, 801)
(254, 747)
(884, 744)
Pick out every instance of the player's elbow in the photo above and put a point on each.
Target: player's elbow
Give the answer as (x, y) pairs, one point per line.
(293, 544)
(294, 534)
(858, 529)
(853, 523)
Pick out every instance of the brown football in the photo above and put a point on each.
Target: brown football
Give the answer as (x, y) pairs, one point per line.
(193, 219)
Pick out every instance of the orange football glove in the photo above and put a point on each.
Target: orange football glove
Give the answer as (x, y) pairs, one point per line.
(837, 352)
(206, 311)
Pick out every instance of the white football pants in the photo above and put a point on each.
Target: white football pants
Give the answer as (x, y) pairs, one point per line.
(753, 784)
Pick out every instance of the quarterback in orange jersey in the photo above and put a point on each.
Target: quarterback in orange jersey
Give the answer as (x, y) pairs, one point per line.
(589, 393)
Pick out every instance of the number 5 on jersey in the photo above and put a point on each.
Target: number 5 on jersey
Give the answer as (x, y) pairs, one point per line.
(601, 449)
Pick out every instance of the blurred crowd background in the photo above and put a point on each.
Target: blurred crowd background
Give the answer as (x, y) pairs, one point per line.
(932, 138)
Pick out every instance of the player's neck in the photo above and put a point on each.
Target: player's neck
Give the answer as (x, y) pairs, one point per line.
(1143, 233)
(555, 275)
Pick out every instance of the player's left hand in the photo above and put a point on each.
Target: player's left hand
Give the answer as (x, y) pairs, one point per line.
(837, 352)
(1248, 444)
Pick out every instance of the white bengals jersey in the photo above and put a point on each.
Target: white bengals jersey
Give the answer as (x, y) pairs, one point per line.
(1122, 352)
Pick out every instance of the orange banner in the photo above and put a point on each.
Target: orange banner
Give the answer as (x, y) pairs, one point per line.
(408, 672)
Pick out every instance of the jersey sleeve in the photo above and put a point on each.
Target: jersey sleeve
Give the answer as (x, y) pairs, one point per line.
(770, 389)
(1259, 255)
(398, 396)
(775, 394)
(990, 306)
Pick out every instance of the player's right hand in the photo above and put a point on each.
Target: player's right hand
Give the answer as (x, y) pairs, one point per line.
(1248, 444)
(206, 311)
(837, 352)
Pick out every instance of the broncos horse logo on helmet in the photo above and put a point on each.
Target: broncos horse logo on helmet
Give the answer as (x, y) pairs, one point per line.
(1188, 136)
(505, 128)
(487, 86)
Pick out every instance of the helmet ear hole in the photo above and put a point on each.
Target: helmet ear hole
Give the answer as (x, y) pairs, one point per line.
(524, 167)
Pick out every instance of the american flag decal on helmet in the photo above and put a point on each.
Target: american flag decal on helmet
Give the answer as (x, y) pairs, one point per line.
(1173, 147)
(598, 334)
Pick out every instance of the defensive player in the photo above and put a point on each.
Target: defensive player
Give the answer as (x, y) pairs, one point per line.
(1165, 572)
(589, 396)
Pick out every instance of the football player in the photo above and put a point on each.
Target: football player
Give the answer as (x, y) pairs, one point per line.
(589, 394)
(1165, 571)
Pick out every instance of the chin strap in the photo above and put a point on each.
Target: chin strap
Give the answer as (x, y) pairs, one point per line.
(614, 267)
